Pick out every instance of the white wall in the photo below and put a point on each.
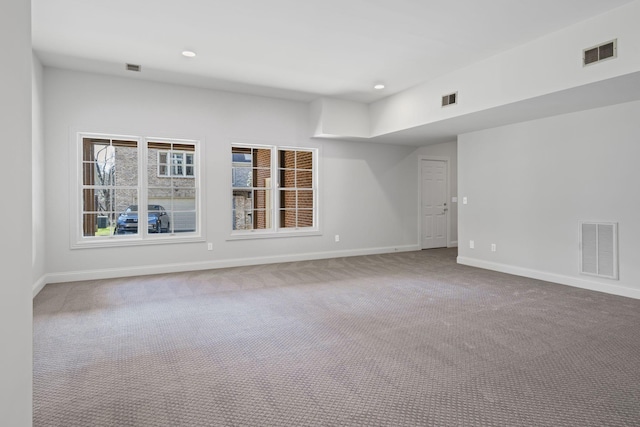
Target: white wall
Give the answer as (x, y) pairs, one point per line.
(15, 215)
(549, 64)
(448, 150)
(367, 191)
(528, 185)
(38, 163)
(331, 117)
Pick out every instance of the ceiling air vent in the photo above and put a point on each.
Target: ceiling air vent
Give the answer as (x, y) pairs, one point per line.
(452, 98)
(599, 53)
(599, 249)
(134, 67)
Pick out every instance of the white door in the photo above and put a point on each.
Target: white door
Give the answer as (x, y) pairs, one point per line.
(434, 203)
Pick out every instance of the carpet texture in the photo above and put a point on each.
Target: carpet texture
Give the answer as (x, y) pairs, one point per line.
(407, 339)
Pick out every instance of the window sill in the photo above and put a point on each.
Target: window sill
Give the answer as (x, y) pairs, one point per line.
(250, 235)
(119, 241)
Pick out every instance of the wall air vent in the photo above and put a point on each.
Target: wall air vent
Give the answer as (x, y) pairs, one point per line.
(599, 249)
(133, 67)
(592, 55)
(450, 99)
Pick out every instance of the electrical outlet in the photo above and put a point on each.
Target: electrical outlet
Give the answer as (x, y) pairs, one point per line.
(337, 238)
(464, 200)
(493, 247)
(472, 244)
(209, 246)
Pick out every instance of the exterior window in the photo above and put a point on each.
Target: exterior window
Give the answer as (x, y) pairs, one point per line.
(296, 207)
(117, 195)
(169, 189)
(176, 164)
(109, 183)
(273, 189)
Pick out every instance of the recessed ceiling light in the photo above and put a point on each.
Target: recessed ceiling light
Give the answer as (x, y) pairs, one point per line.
(378, 86)
(188, 53)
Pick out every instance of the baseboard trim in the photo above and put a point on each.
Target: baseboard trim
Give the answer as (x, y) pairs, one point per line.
(608, 288)
(453, 244)
(76, 276)
(38, 285)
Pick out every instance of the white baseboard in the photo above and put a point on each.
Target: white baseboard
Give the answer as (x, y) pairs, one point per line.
(453, 244)
(75, 276)
(608, 288)
(38, 285)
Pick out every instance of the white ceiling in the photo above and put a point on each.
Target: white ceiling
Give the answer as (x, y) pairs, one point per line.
(294, 49)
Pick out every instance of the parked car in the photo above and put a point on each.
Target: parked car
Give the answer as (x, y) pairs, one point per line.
(157, 220)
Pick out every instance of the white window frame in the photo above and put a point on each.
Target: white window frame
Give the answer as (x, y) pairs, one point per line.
(276, 230)
(143, 237)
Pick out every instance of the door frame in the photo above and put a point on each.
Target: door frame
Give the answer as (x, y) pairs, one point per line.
(447, 161)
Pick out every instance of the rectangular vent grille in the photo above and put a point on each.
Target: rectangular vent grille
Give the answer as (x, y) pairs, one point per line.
(599, 249)
(134, 67)
(599, 53)
(450, 99)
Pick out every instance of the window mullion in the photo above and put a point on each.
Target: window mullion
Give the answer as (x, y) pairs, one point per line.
(143, 183)
(275, 182)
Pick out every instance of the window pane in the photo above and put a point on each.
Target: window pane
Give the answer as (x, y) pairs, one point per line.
(305, 218)
(261, 157)
(183, 222)
(288, 202)
(125, 204)
(90, 224)
(304, 160)
(241, 176)
(98, 199)
(88, 148)
(304, 179)
(305, 199)
(262, 201)
(125, 166)
(288, 218)
(99, 170)
(243, 210)
(288, 199)
(183, 211)
(287, 178)
(261, 177)
(286, 159)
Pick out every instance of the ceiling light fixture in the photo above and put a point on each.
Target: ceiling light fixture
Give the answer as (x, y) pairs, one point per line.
(378, 86)
(188, 53)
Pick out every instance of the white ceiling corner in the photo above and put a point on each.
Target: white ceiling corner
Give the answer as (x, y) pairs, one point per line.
(294, 49)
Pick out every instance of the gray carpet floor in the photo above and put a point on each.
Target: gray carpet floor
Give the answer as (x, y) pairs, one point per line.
(407, 339)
